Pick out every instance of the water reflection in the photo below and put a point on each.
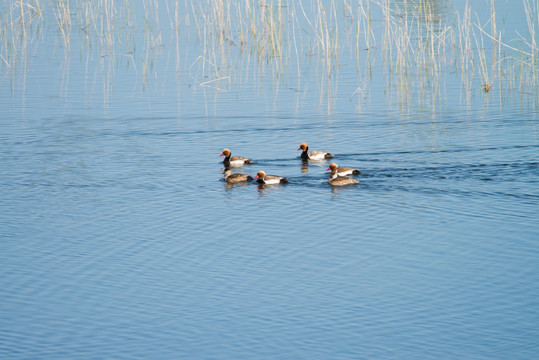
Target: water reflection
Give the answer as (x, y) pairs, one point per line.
(427, 12)
(229, 186)
(336, 190)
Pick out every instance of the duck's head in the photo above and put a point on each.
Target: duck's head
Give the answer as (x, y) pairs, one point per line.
(225, 153)
(332, 167)
(260, 175)
(303, 146)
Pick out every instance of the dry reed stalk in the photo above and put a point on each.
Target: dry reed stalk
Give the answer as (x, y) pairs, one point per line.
(21, 23)
(364, 23)
(63, 18)
(110, 12)
(494, 31)
(532, 13)
(294, 22)
(465, 49)
(482, 61)
(387, 44)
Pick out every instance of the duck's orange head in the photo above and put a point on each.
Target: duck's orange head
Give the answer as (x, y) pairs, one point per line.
(332, 167)
(260, 175)
(225, 153)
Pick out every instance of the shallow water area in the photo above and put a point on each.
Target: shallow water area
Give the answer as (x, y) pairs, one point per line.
(121, 239)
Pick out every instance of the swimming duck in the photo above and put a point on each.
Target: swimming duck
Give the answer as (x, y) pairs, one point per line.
(343, 171)
(313, 155)
(336, 180)
(262, 178)
(236, 178)
(234, 161)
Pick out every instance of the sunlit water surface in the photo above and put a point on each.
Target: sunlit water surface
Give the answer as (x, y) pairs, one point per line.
(120, 238)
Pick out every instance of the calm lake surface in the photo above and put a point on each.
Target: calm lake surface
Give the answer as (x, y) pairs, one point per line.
(120, 239)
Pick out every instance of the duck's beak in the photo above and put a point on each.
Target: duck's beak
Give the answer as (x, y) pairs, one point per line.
(298, 149)
(256, 177)
(328, 169)
(221, 155)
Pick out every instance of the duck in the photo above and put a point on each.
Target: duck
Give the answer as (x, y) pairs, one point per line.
(313, 155)
(236, 178)
(336, 180)
(234, 161)
(343, 171)
(262, 178)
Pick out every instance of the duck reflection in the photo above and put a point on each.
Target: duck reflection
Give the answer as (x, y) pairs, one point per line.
(229, 186)
(304, 166)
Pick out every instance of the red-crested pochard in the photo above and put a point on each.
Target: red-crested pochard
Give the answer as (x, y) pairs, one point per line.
(336, 180)
(236, 178)
(343, 171)
(262, 178)
(313, 155)
(234, 161)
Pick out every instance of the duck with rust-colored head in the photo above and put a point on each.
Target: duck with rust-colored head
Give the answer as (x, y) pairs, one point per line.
(343, 171)
(236, 178)
(336, 180)
(313, 155)
(234, 161)
(262, 178)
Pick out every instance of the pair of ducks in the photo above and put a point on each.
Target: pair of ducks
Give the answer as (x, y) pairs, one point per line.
(338, 175)
(239, 161)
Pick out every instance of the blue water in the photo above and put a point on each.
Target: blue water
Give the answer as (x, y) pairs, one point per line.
(120, 239)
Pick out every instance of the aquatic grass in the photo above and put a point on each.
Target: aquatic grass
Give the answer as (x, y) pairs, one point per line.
(325, 30)
(109, 26)
(63, 18)
(465, 64)
(532, 16)
(21, 23)
(483, 67)
(364, 25)
(516, 63)
(414, 47)
(417, 46)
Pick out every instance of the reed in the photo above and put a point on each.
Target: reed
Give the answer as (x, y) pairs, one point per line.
(532, 16)
(415, 43)
(364, 25)
(483, 67)
(63, 18)
(21, 23)
(465, 48)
